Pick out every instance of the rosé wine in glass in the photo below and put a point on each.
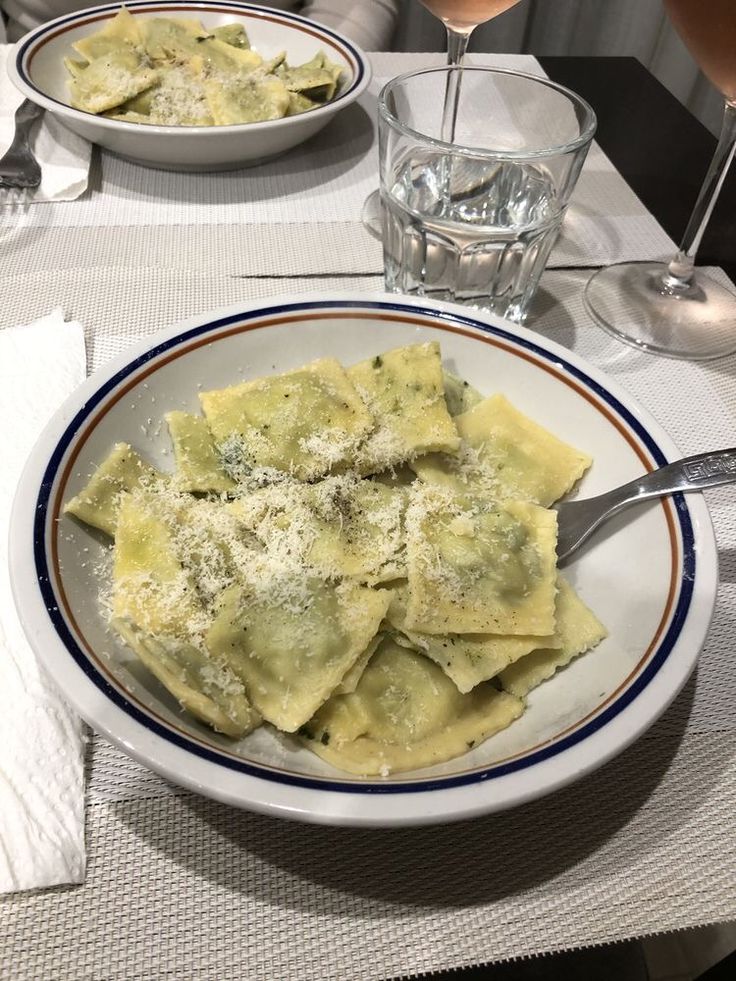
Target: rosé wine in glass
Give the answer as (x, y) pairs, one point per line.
(464, 15)
(709, 31)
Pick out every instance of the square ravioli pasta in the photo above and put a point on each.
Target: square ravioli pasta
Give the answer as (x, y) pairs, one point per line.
(404, 390)
(338, 527)
(98, 502)
(198, 466)
(468, 659)
(291, 640)
(303, 422)
(505, 455)
(151, 587)
(578, 630)
(475, 566)
(207, 690)
(405, 713)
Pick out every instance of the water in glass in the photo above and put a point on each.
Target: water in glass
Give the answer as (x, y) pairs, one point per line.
(477, 232)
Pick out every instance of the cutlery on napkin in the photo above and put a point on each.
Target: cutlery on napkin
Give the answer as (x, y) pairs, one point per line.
(64, 157)
(41, 739)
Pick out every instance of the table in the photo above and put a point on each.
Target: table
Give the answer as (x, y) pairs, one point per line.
(179, 886)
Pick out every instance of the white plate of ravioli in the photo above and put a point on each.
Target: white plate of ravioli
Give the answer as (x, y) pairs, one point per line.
(198, 82)
(299, 556)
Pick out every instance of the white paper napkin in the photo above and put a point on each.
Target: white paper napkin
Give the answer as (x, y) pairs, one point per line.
(64, 157)
(41, 739)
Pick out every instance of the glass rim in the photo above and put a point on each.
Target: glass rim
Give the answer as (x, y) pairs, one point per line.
(584, 137)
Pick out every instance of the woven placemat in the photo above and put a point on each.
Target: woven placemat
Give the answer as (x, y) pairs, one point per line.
(179, 886)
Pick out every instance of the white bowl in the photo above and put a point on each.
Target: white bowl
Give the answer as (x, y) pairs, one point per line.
(37, 69)
(651, 578)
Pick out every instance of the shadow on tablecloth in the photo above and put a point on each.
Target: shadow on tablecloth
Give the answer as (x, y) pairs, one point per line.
(332, 152)
(457, 865)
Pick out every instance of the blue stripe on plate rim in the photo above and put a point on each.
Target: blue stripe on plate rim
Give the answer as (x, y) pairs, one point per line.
(655, 662)
(24, 47)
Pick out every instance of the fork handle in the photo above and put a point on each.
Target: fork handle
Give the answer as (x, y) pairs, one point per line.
(689, 474)
(26, 114)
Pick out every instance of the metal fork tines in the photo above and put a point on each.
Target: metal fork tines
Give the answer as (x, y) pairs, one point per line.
(19, 169)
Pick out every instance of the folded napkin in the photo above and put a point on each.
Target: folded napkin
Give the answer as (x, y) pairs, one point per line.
(41, 739)
(64, 157)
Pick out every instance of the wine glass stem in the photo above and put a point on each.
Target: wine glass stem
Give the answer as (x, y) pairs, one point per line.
(457, 45)
(680, 270)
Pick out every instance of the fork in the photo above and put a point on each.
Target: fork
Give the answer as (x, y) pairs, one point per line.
(577, 520)
(19, 169)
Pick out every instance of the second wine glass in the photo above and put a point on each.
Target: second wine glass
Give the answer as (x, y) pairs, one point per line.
(460, 18)
(673, 308)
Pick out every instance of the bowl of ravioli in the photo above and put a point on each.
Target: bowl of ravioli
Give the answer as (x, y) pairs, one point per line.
(299, 556)
(195, 86)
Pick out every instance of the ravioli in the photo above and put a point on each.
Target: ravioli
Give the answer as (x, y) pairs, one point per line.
(506, 455)
(303, 422)
(151, 588)
(165, 37)
(460, 395)
(213, 545)
(222, 59)
(198, 466)
(291, 653)
(468, 659)
(208, 691)
(360, 530)
(155, 609)
(123, 30)
(298, 102)
(578, 630)
(405, 713)
(246, 100)
(233, 34)
(479, 567)
(317, 78)
(178, 98)
(175, 72)
(110, 80)
(339, 527)
(350, 680)
(114, 69)
(294, 571)
(404, 391)
(98, 503)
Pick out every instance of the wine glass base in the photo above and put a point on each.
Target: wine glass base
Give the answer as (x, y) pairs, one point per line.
(632, 302)
(372, 215)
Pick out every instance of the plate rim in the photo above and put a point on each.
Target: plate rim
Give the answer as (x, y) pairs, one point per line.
(409, 806)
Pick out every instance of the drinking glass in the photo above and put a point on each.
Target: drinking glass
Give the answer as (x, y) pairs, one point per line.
(474, 221)
(670, 308)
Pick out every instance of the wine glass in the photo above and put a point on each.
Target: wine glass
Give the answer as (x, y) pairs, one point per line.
(460, 18)
(672, 308)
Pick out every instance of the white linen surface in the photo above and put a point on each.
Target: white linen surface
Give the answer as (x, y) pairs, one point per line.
(41, 739)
